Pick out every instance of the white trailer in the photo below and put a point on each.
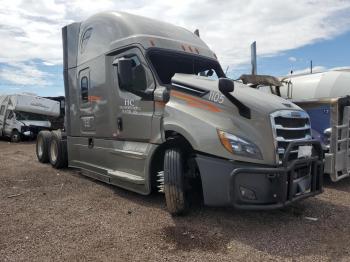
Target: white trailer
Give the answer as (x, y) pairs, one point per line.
(329, 84)
(24, 115)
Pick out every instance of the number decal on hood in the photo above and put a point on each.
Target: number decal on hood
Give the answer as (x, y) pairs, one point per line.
(216, 97)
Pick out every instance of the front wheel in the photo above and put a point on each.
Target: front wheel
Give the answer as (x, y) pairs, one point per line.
(174, 182)
(15, 136)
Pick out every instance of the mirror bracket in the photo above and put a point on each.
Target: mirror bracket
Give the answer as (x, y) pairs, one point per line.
(161, 94)
(226, 88)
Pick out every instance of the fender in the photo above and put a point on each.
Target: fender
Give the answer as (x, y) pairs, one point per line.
(183, 132)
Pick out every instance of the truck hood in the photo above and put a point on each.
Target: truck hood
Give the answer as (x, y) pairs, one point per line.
(36, 123)
(257, 101)
(197, 105)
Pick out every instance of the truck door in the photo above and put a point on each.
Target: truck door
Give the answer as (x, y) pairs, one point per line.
(134, 113)
(9, 118)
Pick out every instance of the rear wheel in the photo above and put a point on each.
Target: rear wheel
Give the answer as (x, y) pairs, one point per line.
(174, 182)
(58, 150)
(42, 146)
(15, 136)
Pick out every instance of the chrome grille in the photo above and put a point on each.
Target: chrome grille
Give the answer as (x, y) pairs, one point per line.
(288, 126)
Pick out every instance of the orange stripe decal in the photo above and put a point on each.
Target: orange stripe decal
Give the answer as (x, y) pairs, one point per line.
(195, 102)
(94, 98)
(159, 104)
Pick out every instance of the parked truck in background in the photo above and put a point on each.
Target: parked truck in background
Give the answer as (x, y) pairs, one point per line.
(25, 115)
(149, 108)
(57, 122)
(325, 97)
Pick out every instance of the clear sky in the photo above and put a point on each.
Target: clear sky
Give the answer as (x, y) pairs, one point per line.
(288, 33)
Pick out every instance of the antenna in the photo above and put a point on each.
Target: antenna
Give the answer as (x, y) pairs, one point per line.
(227, 69)
(253, 57)
(196, 32)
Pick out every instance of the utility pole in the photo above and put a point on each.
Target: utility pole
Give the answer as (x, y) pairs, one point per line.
(311, 67)
(253, 57)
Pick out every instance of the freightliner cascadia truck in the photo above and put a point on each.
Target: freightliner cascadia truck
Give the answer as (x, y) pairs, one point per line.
(149, 108)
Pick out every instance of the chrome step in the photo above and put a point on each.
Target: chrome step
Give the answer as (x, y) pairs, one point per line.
(160, 181)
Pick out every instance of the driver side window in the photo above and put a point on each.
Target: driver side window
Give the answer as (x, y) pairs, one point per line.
(132, 74)
(139, 74)
(9, 114)
(209, 73)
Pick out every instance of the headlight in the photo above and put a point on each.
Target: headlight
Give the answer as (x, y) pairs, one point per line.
(239, 146)
(328, 132)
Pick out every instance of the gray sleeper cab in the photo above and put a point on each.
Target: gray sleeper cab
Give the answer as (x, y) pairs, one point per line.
(148, 107)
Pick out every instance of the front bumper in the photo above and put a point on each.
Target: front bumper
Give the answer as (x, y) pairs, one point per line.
(247, 186)
(32, 130)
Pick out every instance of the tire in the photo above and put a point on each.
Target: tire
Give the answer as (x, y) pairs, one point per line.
(15, 136)
(42, 146)
(58, 151)
(174, 182)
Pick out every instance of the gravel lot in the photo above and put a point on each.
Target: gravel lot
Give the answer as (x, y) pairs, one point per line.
(47, 214)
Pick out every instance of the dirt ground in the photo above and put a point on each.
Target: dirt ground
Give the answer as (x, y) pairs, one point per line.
(47, 214)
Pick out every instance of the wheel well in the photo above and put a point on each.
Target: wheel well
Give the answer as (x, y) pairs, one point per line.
(173, 139)
(14, 129)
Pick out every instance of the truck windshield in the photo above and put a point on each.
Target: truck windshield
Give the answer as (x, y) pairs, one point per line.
(167, 63)
(20, 115)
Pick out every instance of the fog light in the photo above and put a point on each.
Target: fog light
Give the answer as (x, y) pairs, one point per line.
(247, 193)
(27, 133)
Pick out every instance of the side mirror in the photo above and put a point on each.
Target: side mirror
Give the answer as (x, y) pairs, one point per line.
(226, 85)
(125, 73)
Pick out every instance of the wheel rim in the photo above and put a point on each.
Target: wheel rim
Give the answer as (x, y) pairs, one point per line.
(54, 151)
(40, 146)
(15, 137)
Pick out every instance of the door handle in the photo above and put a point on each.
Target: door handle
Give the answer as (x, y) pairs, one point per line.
(120, 124)
(90, 142)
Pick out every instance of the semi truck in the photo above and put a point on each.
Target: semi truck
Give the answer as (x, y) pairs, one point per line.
(325, 97)
(25, 115)
(58, 122)
(149, 108)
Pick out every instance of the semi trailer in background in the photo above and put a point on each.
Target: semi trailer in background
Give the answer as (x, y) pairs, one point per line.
(57, 122)
(24, 115)
(326, 98)
(149, 108)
